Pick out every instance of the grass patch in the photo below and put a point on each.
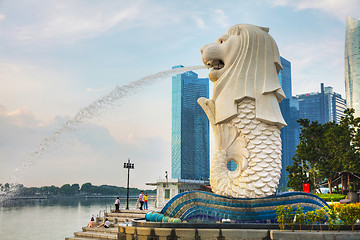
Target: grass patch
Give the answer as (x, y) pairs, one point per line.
(331, 197)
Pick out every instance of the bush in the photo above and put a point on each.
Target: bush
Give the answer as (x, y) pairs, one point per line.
(285, 216)
(310, 218)
(337, 214)
(333, 221)
(299, 215)
(331, 197)
(320, 216)
(348, 213)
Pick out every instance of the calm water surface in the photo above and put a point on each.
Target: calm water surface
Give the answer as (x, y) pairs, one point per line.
(51, 219)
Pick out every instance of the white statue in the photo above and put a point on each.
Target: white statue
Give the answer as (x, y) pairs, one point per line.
(244, 111)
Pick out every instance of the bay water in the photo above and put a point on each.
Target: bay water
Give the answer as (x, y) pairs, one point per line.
(53, 219)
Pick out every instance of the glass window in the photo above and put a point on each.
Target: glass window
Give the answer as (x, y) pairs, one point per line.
(167, 194)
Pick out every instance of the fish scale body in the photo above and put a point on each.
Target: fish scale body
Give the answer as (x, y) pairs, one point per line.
(257, 174)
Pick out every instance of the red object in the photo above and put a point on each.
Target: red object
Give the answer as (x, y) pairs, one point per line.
(306, 187)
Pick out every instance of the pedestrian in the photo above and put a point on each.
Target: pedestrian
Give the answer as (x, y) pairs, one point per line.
(141, 199)
(91, 222)
(105, 224)
(146, 201)
(117, 204)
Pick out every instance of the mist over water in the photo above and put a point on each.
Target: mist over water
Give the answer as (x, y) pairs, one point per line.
(94, 109)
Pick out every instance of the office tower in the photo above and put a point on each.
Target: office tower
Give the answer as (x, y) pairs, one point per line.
(190, 127)
(323, 107)
(290, 110)
(352, 64)
(338, 107)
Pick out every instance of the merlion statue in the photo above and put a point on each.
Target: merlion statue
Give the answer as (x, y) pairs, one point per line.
(244, 112)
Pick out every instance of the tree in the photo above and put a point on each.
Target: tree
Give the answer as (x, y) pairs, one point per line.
(75, 188)
(297, 174)
(87, 188)
(324, 150)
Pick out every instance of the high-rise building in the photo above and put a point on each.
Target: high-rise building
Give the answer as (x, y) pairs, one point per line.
(290, 110)
(352, 64)
(338, 107)
(323, 107)
(190, 127)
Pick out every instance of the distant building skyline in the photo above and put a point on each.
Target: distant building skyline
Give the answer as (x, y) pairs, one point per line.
(190, 127)
(352, 64)
(323, 106)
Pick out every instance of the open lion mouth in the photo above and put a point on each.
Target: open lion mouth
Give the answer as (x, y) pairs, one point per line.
(216, 64)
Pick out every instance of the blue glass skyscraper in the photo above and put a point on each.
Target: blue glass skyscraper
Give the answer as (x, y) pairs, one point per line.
(323, 106)
(190, 128)
(290, 110)
(352, 64)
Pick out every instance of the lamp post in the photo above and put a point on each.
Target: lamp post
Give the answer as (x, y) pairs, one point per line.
(129, 166)
(166, 176)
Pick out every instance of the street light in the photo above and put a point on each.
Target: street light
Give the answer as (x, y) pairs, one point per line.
(166, 176)
(129, 166)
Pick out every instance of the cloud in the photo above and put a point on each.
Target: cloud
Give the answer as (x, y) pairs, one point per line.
(89, 153)
(338, 8)
(306, 60)
(64, 22)
(20, 117)
(95, 89)
(25, 84)
(199, 22)
(2, 17)
(221, 18)
(91, 23)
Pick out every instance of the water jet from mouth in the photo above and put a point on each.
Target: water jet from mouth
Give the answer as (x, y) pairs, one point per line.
(92, 110)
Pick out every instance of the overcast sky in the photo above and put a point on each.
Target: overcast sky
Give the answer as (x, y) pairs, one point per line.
(59, 56)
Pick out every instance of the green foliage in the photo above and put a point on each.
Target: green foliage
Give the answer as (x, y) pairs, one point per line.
(333, 221)
(310, 218)
(72, 190)
(285, 216)
(324, 150)
(331, 197)
(299, 215)
(334, 216)
(349, 214)
(320, 216)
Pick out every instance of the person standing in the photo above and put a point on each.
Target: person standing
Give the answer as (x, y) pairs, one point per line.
(117, 204)
(145, 201)
(141, 199)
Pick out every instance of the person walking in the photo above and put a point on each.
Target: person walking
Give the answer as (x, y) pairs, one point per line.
(141, 199)
(117, 204)
(145, 201)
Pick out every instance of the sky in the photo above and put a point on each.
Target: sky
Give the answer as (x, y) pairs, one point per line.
(57, 57)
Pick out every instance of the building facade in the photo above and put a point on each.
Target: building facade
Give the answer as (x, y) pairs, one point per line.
(352, 64)
(168, 188)
(323, 106)
(190, 128)
(290, 110)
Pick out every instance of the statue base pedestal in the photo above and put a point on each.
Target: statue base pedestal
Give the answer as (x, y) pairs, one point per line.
(199, 206)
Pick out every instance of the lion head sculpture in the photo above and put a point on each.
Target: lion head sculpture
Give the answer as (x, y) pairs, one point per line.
(245, 62)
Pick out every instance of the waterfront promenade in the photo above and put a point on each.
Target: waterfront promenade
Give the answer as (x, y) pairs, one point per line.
(124, 227)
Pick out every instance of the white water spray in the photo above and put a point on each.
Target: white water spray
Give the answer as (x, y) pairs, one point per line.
(89, 112)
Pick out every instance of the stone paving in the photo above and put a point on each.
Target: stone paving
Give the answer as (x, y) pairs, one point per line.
(115, 219)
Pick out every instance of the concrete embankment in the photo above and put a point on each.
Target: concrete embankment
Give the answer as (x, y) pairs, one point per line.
(164, 231)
